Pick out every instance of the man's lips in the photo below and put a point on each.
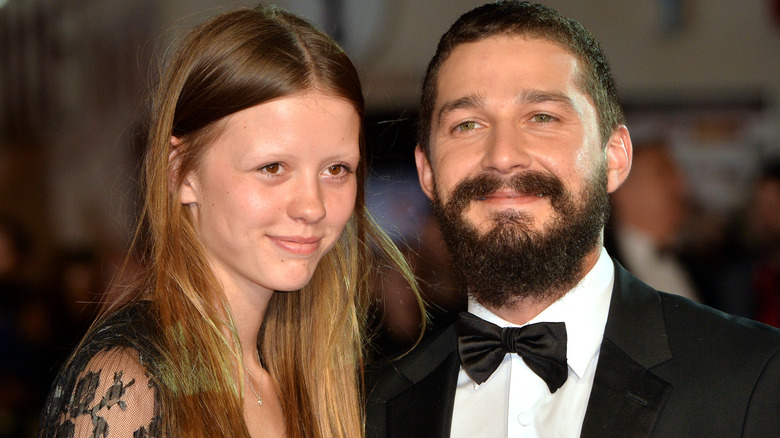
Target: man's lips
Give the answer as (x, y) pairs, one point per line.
(508, 195)
(298, 245)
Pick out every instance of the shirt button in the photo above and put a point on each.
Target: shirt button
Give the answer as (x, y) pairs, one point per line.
(524, 418)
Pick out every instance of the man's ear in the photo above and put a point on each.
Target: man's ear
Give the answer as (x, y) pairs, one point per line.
(619, 155)
(187, 190)
(424, 172)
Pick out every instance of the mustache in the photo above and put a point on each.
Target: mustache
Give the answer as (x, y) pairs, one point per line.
(530, 182)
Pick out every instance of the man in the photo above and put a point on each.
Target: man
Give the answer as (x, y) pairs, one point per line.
(521, 140)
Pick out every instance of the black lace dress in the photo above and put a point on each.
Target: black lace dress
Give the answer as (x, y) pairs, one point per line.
(109, 389)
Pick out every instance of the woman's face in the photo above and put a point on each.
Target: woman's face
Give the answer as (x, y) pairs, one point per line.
(275, 190)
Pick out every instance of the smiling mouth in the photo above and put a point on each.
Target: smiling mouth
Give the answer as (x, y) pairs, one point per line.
(297, 245)
(508, 194)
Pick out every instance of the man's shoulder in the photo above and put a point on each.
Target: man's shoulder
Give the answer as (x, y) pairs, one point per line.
(695, 324)
(729, 364)
(640, 315)
(687, 342)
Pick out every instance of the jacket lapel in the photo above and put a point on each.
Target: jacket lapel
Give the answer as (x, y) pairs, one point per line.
(416, 394)
(627, 398)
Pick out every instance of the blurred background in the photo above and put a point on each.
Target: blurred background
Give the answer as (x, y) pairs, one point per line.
(699, 216)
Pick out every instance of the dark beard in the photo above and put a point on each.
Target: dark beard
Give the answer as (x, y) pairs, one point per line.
(512, 262)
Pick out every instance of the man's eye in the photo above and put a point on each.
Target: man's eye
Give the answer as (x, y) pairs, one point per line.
(543, 118)
(466, 126)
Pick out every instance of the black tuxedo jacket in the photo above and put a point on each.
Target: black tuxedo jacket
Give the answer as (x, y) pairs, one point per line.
(668, 367)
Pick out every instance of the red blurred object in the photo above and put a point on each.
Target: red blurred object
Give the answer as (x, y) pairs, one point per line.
(775, 5)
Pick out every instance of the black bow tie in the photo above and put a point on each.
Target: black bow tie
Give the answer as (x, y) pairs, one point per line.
(482, 346)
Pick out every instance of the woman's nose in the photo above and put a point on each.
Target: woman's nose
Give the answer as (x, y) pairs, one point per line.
(307, 203)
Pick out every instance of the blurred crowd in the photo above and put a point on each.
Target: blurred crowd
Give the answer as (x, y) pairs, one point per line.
(42, 317)
(670, 242)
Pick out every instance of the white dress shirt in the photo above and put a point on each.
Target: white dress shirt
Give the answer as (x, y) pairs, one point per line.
(514, 401)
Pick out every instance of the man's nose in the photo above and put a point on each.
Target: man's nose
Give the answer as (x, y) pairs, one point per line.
(506, 150)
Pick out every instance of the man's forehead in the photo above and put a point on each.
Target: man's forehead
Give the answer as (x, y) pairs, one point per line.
(508, 39)
(523, 66)
(511, 52)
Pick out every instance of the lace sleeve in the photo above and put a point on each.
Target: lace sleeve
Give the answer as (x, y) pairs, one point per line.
(112, 397)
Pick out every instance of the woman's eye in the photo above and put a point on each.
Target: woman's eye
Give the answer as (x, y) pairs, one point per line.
(337, 170)
(272, 168)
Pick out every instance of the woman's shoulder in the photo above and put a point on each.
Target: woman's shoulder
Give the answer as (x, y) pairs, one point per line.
(108, 388)
(131, 325)
(135, 319)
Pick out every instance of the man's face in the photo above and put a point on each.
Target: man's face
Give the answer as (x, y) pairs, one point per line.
(510, 108)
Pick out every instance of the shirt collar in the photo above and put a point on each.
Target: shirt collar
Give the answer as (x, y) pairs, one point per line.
(584, 309)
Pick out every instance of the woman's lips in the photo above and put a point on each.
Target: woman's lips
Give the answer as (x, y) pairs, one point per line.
(298, 245)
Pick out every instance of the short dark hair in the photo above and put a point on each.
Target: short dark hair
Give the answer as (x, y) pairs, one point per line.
(531, 20)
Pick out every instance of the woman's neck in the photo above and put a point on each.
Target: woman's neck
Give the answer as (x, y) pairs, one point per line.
(248, 309)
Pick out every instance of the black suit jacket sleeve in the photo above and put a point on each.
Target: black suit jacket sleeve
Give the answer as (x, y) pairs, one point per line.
(763, 413)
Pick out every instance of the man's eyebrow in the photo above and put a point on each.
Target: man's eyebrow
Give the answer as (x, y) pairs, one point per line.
(538, 96)
(470, 101)
(523, 97)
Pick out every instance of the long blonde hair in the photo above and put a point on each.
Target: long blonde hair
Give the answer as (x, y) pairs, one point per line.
(312, 340)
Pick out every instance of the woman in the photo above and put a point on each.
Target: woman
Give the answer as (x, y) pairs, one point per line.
(253, 169)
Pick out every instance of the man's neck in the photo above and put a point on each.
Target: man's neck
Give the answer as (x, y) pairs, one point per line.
(523, 310)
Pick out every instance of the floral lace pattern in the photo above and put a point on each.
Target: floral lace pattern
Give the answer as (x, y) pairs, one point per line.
(107, 390)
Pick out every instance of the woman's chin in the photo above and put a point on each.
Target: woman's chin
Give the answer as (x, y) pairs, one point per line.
(292, 286)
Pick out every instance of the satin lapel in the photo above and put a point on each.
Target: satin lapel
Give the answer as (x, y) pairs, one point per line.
(627, 397)
(415, 398)
(425, 409)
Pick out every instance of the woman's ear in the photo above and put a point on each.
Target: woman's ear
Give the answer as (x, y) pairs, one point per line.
(187, 190)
